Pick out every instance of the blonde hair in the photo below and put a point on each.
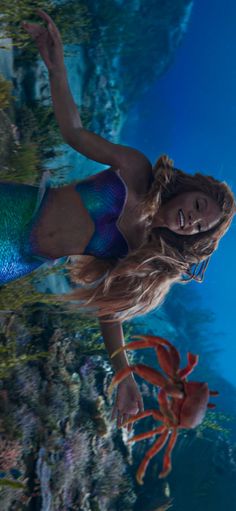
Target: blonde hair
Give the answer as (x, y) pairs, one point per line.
(139, 282)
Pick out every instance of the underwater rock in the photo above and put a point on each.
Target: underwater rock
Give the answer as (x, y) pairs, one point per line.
(116, 63)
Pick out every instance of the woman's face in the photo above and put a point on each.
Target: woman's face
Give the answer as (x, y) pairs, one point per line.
(188, 213)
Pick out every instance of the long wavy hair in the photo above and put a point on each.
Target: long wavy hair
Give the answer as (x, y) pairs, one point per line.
(122, 289)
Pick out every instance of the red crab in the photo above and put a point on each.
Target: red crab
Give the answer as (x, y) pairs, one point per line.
(182, 404)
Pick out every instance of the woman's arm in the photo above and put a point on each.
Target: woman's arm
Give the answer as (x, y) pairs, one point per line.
(113, 339)
(128, 400)
(49, 43)
(65, 109)
(86, 142)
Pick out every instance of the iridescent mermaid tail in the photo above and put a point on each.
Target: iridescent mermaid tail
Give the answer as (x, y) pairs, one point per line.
(18, 204)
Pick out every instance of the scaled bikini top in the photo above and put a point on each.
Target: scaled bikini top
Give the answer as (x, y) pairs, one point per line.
(104, 195)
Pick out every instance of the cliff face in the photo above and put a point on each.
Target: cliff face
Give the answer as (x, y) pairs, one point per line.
(128, 45)
(132, 44)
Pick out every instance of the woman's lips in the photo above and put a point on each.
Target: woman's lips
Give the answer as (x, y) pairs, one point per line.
(181, 218)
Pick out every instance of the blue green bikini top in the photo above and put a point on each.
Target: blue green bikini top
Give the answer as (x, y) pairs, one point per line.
(104, 195)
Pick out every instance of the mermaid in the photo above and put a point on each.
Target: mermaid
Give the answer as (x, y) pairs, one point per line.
(128, 233)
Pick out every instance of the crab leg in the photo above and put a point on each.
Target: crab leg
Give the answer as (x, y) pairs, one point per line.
(149, 374)
(155, 413)
(148, 434)
(168, 363)
(165, 406)
(135, 345)
(156, 447)
(169, 360)
(167, 456)
(149, 341)
(192, 362)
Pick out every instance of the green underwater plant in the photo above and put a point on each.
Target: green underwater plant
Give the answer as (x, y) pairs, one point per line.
(37, 123)
(216, 421)
(9, 357)
(23, 164)
(17, 11)
(5, 93)
(9, 360)
(12, 484)
(18, 293)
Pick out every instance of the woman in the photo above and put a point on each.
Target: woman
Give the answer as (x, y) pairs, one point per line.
(144, 227)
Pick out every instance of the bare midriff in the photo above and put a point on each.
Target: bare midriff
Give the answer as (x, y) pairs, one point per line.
(65, 226)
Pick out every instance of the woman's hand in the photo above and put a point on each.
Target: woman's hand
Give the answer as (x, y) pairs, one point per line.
(128, 401)
(48, 41)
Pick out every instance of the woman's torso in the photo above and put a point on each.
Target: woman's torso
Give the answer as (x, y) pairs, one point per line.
(65, 226)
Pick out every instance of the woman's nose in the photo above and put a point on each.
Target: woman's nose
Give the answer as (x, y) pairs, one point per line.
(193, 219)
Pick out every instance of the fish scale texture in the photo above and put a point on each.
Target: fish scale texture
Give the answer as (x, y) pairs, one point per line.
(104, 196)
(17, 206)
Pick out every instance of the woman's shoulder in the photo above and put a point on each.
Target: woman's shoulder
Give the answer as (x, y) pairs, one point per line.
(138, 179)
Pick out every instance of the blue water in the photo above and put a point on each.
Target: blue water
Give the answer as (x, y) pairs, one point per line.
(190, 114)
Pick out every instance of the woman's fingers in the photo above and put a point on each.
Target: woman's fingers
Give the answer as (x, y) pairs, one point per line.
(30, 27)
(51, 25)
(119, 416)
(37, 32)
(44, 15)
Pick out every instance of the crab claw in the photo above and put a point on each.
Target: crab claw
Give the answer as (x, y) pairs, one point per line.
(136, 345)
(167, 355)
(192, 362)
(150, 375)
(146, 341)
(120, 376)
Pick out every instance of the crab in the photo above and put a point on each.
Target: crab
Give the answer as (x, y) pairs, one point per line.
(182, 404)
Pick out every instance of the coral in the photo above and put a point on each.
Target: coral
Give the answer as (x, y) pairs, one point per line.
(10, 359)
(10, 453)
(27, 384)
(61, 414)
